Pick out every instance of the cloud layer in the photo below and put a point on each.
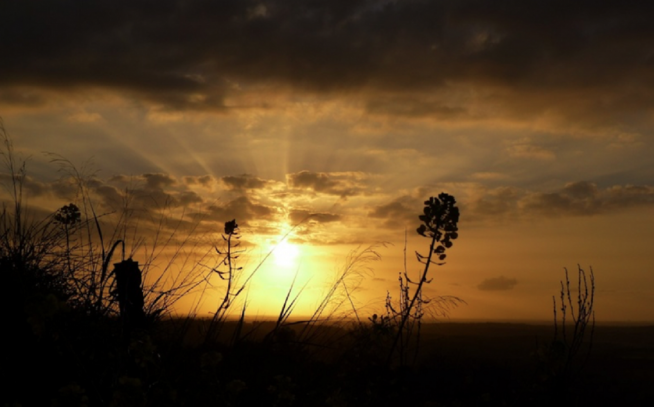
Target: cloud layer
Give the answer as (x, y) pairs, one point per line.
(307, 198)
(482, 204)
(590, 63)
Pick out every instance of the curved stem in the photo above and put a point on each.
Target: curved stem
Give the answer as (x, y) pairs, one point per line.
(406, 312)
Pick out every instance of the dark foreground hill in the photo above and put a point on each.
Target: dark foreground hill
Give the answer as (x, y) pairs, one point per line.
(69, 359)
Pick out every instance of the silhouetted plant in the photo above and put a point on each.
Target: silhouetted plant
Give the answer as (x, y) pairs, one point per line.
(230, 275)
(97, 236)
(73, 247)
(341, 290)
(235, 283)
(25, 242)
(576, 327)
(439, 224)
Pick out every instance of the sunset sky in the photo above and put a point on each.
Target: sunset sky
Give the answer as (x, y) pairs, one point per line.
(344, 115)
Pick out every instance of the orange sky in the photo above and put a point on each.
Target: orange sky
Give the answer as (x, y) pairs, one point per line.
(537, 117)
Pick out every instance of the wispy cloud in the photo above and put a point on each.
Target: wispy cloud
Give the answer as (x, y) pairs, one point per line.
(298, 215)
(500, 283)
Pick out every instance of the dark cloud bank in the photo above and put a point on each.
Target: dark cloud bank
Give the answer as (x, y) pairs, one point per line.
(595, 58)
(580, 198)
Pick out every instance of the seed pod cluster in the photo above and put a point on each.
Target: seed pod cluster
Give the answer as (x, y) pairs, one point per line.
(439, 222)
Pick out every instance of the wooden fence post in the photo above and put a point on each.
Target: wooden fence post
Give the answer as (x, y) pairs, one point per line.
(130, 294)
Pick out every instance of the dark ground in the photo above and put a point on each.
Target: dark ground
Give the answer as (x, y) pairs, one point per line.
(74, 361)
(618, 371)
(508, 364)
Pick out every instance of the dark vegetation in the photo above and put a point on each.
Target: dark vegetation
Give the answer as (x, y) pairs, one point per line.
(87, 327)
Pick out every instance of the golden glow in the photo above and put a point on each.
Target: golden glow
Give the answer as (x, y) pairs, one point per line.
(286, 254)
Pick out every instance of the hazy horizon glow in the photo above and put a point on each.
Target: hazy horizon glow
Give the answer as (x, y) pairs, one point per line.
(343, 117)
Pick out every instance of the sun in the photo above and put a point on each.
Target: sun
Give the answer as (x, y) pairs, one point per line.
(285, 254)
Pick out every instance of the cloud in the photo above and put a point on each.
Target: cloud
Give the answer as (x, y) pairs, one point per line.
(488, 176)
(205, 181)
(577, 198)
(397, 213)
(580, 198)
(245, 181)
(298, 215)
(85, 117)
(243, 210)
(413, 107)
(188, 197)
(146, 192)
(158, 181)
(481, 204)
(30, 185)
(530, 151)
(342, 184)
(500, 201)
(500, 283)
(111, 196)
(65, 188)
(25, 98)
(625, 196)
(594, 67)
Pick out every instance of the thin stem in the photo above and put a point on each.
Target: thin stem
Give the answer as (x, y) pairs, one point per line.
(406, 312)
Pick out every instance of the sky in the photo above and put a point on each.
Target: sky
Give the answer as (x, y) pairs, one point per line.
(335, 120)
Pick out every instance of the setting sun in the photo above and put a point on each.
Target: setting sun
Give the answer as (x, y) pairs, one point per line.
(285, 254)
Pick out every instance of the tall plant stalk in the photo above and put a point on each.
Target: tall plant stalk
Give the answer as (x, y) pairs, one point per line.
(231, 254)
(570, 338)
(439, 223)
